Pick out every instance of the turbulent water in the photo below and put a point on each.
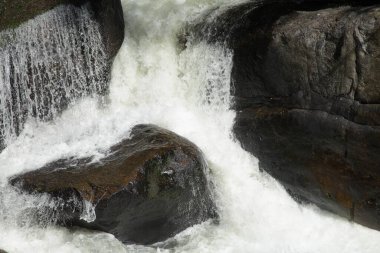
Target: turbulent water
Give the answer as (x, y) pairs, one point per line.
(186, 91)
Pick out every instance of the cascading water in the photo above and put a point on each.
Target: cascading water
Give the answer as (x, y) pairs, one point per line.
(154, 81)
(47, 64)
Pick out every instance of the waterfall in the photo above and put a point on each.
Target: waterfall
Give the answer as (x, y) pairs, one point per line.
(184, 88)
(47, 64)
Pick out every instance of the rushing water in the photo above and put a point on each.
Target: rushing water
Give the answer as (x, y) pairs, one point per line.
(154, 81)
(47, 64)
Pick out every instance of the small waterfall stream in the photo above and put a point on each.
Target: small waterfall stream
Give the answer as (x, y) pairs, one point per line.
(47, 64)
(154, 80)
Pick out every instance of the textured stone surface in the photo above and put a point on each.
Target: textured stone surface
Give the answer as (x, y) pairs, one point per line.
(306, 84)
(147, 189)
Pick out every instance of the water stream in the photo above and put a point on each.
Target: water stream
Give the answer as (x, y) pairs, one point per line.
(186, 91)
(47, 64)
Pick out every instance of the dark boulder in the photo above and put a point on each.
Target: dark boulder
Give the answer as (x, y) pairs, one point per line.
(149, 187)
(306, 81)
(110, 16)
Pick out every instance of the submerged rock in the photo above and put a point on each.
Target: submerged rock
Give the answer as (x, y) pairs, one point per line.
(306, 85)
(149, 187)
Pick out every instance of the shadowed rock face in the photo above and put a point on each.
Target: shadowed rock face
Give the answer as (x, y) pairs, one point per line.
(148, 188)
(109, 14)
(306, 84)
(14, 12)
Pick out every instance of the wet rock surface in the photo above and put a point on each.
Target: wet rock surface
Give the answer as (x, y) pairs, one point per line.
(109, 14)
(306, 86)
(15, 12)
(147, 189)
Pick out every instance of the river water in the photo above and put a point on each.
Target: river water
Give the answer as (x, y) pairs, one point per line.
(188, 92)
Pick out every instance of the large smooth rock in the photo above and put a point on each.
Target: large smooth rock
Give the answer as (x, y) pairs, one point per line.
(306, 81)
(149, 187)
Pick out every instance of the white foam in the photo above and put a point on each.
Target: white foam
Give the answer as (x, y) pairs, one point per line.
(186, 92)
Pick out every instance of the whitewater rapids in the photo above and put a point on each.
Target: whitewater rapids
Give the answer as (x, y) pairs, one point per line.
(188, 92)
